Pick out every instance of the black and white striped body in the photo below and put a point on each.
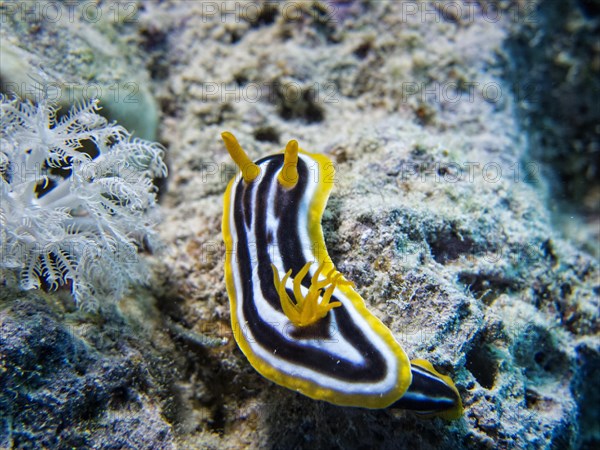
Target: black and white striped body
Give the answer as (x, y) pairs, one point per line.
(343, 354)
(341, 358)
(430, 393)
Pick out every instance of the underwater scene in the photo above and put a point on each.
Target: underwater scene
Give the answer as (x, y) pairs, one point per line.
(300, 224)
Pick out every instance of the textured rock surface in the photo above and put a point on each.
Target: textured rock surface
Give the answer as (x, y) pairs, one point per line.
(554, 58)
(71, 381)
(438, 214)
(554, 66)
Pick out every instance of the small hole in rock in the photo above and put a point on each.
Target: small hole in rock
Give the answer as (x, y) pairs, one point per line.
(295, 103)
(266, 134)
(483, 365)
(266, 15)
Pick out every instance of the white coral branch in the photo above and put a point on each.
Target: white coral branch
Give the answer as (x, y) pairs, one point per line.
(76, 199)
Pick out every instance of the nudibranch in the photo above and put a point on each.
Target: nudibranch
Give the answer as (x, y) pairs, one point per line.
(297, 319)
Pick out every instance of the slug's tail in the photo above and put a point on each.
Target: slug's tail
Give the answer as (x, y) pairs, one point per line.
(430, 393)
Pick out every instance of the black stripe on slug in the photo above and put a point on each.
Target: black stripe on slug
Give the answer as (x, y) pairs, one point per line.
(270, 337)
(427, 394)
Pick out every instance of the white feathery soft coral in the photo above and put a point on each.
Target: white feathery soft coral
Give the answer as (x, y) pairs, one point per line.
(76, 199)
